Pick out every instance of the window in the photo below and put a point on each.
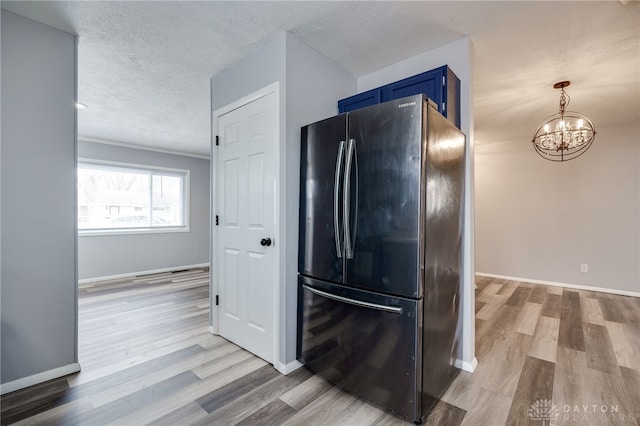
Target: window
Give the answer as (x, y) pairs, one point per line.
(118, 197)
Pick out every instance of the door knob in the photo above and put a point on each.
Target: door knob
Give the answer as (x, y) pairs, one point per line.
(265, 242)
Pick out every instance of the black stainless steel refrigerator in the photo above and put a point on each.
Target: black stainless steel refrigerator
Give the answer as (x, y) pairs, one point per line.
(381, 216)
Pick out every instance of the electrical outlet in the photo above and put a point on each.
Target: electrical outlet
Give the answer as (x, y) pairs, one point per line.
(584, 267)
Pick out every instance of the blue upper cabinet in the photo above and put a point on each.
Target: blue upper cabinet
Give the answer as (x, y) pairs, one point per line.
(440, 85)
(360, 100)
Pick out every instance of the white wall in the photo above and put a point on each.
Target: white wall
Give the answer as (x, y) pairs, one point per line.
(310, 86)
(540, 220)
(38, 243)
(112, 255)
(458, 56)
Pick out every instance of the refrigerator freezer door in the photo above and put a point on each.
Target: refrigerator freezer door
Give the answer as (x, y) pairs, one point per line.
(322, 157)
(366, 343)
(385, 198)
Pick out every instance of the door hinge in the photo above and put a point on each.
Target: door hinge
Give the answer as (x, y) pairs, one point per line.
(217, 220)
(217, 300)
(217, 140)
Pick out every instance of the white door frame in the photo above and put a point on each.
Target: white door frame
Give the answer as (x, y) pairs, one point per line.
(274, 89)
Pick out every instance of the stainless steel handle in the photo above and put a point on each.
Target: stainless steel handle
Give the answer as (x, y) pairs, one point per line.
(392, 309)
(336, 204)
(348, 248)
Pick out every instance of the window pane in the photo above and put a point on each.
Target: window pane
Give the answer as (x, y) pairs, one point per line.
(118, 197)
(113, 199)
(167, 200)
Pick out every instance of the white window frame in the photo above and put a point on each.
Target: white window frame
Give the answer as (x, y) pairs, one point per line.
(132, 167)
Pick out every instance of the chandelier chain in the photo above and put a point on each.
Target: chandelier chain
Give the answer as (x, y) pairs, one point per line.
(564, 101)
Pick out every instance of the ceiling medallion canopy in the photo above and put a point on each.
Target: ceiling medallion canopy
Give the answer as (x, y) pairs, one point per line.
(565, 135)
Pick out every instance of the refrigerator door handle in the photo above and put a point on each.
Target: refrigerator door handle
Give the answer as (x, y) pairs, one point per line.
(385, 308)
(348, 247)
(336, 201)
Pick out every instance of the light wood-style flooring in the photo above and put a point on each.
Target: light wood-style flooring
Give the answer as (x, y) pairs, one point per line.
(147, 358)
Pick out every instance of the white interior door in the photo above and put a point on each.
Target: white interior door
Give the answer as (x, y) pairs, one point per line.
(246, 253)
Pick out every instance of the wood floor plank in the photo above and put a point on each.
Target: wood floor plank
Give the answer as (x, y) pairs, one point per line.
(188, 414)
(527, 318)
(536, 383)
(631, 378)
(625, 341)
(326, 409)
(274, 413)
(537, 294)
(591, 311)
(463, 392)
(361, 413)
(445, 414)
(32, 401)
(611, 309)
(489, 293)
(489, 311)
(545, 339)
(571, 379)
(231, 391)
(630, 308)
(482, 283)
(256, 399)
(215, 366)
(519, 296)
(554, 290)
(307, 391)
(503, 363)
(58, 415)
(600, 354)
(115, 410)
(507, 287)
(570, 334)
(488, 409)
(552, 305)
(500, 325)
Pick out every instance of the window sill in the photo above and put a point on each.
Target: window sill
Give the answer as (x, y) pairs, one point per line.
(131, 231)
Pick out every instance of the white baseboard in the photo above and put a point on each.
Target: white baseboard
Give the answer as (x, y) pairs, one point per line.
(135, 274)
(287, 368)
(573, 286)
(36, 379)
(467, 366)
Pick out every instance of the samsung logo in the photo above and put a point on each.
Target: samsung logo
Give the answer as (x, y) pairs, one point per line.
(408, 104)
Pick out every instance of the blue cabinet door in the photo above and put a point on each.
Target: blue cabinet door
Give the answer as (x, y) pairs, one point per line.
(429, 83)
(361, 100)
(440, 85)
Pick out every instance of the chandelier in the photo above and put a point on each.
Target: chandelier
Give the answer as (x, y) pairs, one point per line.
(565, 135)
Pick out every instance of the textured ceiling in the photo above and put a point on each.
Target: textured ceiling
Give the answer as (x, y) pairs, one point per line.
(144, 67)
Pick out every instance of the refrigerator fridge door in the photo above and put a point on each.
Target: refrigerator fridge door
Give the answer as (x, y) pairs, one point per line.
(322, 163)
(366, 343)
(385, 149)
